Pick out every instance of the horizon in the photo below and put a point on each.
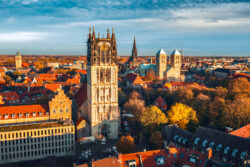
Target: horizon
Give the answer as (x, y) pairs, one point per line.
(202, 29)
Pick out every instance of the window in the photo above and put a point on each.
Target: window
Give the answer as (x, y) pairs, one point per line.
(0, 116)
(54, 110)
(6, 116)
(61, 110)
(196, 141)
(182, 155)
(40, 114)
(13, 115)
(33, 114)
(20, 115)
(160, 160)
(131, 163)
(27, 114)
(67, 110)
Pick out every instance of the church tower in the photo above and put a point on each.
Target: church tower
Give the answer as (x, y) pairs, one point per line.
(176, 59)
(161, 63)
(18, 60)
(102, 85)
(133, 59)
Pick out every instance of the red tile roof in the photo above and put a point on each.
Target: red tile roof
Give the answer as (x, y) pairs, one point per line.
(160, 102)
(84, 72)
(73, 81)
(81, 95)
(135, 79)
(24, 109)
(53, 87)
(243, 132)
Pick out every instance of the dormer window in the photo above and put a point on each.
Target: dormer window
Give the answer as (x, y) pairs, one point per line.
(196, 141)
(20, 115)
(40, 114)
(226, 150)
(6, 116)
(218, 148)
(27, 114)
(13, 115)
(176, 137)
(185, 141)
(160, 160)
(47, 113)
(0, 116)
(204, 143)
(131, 163)
(33, 114)
(234, 152)
(211, 145)
(180, 139)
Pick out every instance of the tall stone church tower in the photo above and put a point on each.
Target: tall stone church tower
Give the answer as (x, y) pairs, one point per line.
(18, 60)
(161, 63)
(102, 85)
(133, 59)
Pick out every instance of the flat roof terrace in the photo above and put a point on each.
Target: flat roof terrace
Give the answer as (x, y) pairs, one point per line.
(9, 128)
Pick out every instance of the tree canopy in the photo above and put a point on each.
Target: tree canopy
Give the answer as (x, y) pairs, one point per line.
(181, 114)
(125, 145)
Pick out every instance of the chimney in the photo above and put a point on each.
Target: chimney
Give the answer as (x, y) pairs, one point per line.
(140, 160)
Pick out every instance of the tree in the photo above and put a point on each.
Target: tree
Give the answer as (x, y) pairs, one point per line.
(181, 114)
(152, 117)
(135, 106)
(8, 79)
(237, 113)
(135, 95)
(156, 140)
(16, 74)
(122, 98)
(126, 145)
(39, 64)
(150, 75)
(239, 88)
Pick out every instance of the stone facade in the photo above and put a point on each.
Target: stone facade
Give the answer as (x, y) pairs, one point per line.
(18, 60)
(161, 63)
(102, 86)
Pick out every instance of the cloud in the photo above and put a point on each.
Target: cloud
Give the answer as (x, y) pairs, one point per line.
(22, 36)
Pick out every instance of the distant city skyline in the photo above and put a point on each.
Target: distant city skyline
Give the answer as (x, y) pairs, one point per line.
(60, 27)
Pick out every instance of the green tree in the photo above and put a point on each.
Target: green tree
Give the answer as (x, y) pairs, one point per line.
(126, 144)
(181, 114)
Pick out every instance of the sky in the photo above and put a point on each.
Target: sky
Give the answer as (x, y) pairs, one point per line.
(199, 27)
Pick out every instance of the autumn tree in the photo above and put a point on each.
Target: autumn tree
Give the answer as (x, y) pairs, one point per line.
(7, 79)
(135, 106)
(152, 117)
(150, 75)
(239, 88)
(156, 140)
(237, 113)
(181, 114)
(39, 64)
(126, 144)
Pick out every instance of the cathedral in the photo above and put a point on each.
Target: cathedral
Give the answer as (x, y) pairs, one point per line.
(100, 105)
(172, 72)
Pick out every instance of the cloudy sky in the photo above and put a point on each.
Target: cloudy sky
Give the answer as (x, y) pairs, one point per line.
(200, 27)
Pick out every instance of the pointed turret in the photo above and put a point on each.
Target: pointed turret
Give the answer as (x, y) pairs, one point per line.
(89, 33)
(113, 36)
(108, 35)
(93, 34)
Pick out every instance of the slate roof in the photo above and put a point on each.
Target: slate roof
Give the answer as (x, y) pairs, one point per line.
(81, 95)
